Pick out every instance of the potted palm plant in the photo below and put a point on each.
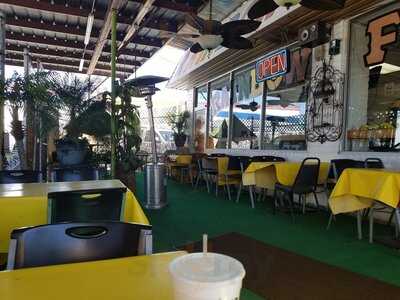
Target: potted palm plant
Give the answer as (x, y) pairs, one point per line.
(179, 124)
(33, 90)
(74, 96)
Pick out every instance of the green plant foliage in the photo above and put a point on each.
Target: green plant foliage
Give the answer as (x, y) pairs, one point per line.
(73, 94)
(128, 128)
(179, 122)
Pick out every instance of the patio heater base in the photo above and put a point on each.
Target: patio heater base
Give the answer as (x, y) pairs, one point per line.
(155, 186)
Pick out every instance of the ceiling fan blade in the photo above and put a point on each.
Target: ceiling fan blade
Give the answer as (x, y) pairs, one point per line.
(196, 48)
(237, 42)
(323, 4)
(243, 106)
(240, 27)
(261, 8)
(195, 21)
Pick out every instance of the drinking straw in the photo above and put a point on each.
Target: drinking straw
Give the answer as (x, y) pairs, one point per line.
(205, 242)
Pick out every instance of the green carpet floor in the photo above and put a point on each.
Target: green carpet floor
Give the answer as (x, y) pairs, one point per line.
(191, 213)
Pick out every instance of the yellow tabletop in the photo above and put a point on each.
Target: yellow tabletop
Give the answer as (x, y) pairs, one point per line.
(132, 278)
(26, 204)
(357, 189)
(180, 159)
(266, 174)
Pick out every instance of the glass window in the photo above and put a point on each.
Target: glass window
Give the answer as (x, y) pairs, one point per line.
(219, 113)
(247, 101)
(373, 117)
(200, 117)
(285, 119)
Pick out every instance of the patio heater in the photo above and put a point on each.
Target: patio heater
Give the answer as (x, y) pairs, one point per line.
(155, 183)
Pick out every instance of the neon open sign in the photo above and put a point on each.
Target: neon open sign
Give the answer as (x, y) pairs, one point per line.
(272, 65)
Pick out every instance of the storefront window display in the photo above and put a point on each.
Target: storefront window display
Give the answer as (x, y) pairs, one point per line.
(200, 117)
(219, 113)
(247, 104)
(285, 111)
(373, 119)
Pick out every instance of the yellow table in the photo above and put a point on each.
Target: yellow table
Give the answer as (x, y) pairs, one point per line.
(266, 174)
(357, 189)
(26, 204)
(132, 278)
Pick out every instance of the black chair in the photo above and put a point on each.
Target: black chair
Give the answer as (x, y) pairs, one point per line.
(233, 173)
(201, 170)
(74, 174)
(245, 162)
(77, 242)
(86, 206)
(267, 158)
(339, 165)
(374, 163)
(305, 183)
(22, 176)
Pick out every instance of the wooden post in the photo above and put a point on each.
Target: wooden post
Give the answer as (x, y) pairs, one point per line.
(2, 79)
(113, 91)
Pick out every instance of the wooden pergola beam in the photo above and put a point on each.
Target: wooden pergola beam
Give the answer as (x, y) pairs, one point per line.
(131, 33)
(77, 11)
(113, 6)
(168, 4)
(68, 54)
(76, 45)
(67, 69)
(66, 62)
(73, 30)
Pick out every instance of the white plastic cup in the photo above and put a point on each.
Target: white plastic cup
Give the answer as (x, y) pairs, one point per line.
(209, 276)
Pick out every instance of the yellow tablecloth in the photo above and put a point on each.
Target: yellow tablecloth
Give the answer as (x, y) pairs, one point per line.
(266, 174)
(26, 204)
(180, 160)
(131, 278)
(357, 189)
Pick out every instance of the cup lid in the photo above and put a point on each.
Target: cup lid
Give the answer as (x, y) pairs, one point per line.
(207, 268)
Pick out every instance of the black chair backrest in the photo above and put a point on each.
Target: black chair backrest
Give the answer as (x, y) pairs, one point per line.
(217, 155)
(374, 163)
(307, 178)
(22, 176)
(209, 163)
(234, 163)
(267, 158)
(339, 165)
(86, 206)
(75, 242)
(75, 174)
(245, 162)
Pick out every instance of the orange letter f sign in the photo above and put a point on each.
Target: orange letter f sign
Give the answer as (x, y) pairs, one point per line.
(380, 39)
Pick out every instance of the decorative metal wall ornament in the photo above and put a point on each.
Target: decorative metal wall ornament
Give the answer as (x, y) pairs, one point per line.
(325, 108)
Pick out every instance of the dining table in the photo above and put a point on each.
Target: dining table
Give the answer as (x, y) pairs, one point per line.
(25, 204)
(266, 174)
(360, 189)
(130, 278)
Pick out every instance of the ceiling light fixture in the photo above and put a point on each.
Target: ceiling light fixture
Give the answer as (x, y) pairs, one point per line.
(81, 65)
(89, 27)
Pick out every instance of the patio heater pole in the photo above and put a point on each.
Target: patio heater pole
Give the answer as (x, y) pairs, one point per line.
(113, 91)
(149, 103)
(2, 79)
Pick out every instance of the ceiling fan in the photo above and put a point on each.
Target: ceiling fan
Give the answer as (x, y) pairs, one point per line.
(263, 7)
(253, 106)
(212, 33)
